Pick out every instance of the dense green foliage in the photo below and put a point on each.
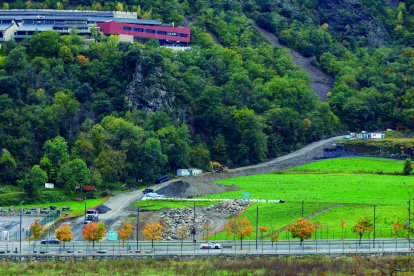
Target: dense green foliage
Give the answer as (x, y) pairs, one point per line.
(70, 106)
(76, 112)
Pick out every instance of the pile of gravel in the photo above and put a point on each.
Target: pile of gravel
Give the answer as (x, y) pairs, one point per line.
(193, 187)
(175, 218)
(230, 207)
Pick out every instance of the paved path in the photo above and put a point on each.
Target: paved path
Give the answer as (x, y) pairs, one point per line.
(321, 83)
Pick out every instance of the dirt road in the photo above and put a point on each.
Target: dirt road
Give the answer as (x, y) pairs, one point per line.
(201, 183)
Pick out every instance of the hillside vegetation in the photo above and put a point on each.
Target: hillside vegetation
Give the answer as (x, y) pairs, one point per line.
(107, 112)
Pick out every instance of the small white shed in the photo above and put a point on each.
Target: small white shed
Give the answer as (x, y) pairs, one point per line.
(188, 172)
(377, 135)
(49, 185)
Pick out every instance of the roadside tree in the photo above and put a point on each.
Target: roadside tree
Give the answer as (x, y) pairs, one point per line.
(93, 232)
(182, 232)
(64, 234)
(125, 231)
(206, 228)
(37, 229)
(239, 228)
(263, 229)
(302, 229)
(153, 231)
(363, 226)
(274, 237)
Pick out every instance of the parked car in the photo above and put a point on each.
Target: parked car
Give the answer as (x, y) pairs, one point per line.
(210, 245)
(147, 190)
(50, 241)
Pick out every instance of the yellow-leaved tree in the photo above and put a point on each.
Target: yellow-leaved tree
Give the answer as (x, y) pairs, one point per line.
(37, 229)
(64, 234)
(93, 232)
(302, 229)
(125, 231)
(239, 228)
(153, 232)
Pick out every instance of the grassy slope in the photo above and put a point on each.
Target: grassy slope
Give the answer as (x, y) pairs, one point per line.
(352, 183)
(344, 188)
(353, 165)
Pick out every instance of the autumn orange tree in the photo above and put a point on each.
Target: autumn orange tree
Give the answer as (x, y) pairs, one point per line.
(125, 231)
(274, 237)
(37, 229)
(182, 232)
(93, 232)
(239, 228)
(263, 229)
(64, 234)
(153, 231)
(206, 228)
(398, 229)
(302, 229)
(363, 226)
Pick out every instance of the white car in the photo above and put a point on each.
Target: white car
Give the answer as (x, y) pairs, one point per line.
(210, 245)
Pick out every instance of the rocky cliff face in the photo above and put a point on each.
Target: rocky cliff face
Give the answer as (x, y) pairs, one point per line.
(355, 18)
(148, 90)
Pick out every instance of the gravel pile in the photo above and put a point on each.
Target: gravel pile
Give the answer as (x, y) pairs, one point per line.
(174, 218)
(230, 207)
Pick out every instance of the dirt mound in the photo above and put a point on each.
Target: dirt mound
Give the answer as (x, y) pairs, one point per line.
(102, 209)
(182, 188)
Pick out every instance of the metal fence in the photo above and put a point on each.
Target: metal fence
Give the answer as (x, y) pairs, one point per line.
(351, 246)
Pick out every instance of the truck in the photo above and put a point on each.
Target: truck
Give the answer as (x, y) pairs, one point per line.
(91, 215)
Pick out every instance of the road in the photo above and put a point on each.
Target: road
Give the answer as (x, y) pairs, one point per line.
(118, 204)
(349, 246)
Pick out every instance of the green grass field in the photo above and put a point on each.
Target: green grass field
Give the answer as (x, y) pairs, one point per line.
(353, 165)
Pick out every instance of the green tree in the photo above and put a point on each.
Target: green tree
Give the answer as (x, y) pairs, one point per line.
(35, 179)
(45, 44)
(73, 175)
(8, 166)
(56, 151)
(65, 53)
(408, 167)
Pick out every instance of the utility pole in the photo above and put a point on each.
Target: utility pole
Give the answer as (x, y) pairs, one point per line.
(194, 229)
(20, 240)
(257, 223)
(303, 207)
(85, 208)
(375, 205)
(409, 217)
(137, 226)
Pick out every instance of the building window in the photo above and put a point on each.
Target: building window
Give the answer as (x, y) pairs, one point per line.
(162, 32)
(172, 34)
(125, 28)
(150, 31)
(183, 35)
(139, 30)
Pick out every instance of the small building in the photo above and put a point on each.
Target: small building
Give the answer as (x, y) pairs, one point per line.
(49, 185)
(376, 135)
(188, 172)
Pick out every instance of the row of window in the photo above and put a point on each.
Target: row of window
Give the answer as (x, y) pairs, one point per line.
(149, 31)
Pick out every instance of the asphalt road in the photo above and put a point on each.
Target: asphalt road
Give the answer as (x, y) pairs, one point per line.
(228, 247)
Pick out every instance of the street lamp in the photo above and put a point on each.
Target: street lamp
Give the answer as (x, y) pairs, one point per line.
(20, 240)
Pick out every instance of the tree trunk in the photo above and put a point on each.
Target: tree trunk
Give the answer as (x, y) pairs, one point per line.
(241, 243)
(152, 243)
(360, 238)
(301, 242)
(93, 244)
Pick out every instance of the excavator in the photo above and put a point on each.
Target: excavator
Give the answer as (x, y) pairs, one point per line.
(216, 167)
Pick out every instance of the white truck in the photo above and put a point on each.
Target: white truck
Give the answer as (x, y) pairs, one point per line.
(91, 215)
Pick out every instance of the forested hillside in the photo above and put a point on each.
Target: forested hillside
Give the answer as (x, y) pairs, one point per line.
(77, 113)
